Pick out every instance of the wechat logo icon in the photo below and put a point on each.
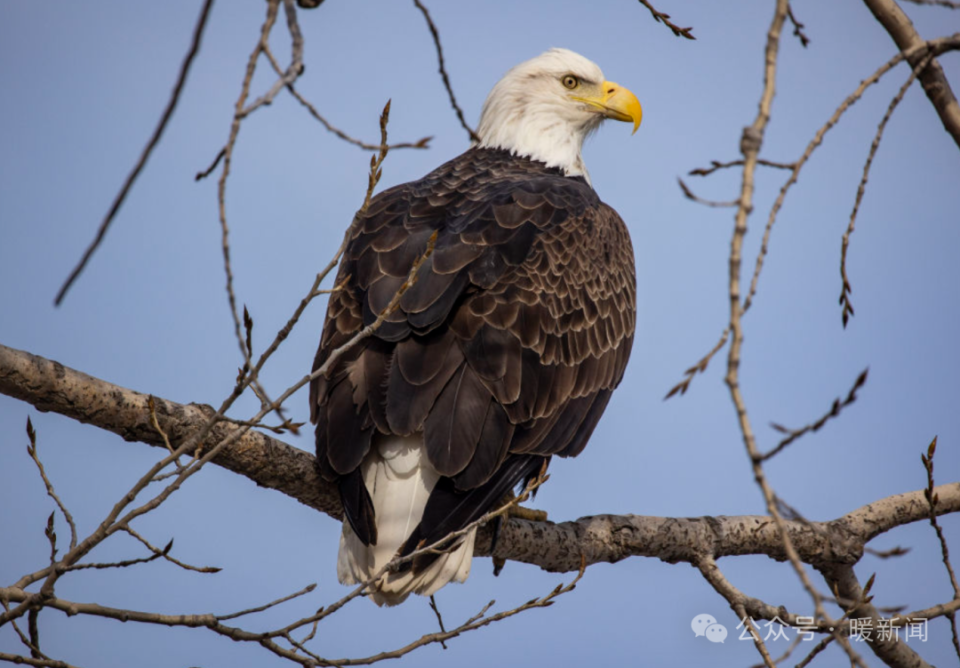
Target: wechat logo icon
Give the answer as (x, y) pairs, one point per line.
(707, 626)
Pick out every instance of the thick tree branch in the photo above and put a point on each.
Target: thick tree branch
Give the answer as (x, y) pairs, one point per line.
(932, 78)
(50, 386)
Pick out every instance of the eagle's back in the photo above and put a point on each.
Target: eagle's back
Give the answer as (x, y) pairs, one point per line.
(504, 352)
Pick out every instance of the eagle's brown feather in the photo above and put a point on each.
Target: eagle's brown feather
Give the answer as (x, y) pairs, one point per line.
(504, 352)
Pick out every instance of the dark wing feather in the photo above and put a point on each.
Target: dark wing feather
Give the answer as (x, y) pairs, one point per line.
(503, 353)
(347, 440)
(358, 507)
(453, 427)
(422, 368)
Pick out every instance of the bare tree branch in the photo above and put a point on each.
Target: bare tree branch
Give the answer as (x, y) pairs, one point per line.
(689, 194)
(51, 492)
(949, 4)
(699, 367)
(49, 386)
(798, 28)
(660, 17)
(932, 78)
(835, 408)
(30, 661)
(268, 639)
(750, 143)
(422, 143)
(936, 46)
(715, 165)
(474, 137)
(273, 7)
(148, 149)
(932, 499)
(861, 188)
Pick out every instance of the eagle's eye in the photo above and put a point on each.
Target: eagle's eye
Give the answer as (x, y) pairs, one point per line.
(570, 81)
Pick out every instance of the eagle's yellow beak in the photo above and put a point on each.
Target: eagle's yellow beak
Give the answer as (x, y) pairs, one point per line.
(616, 102)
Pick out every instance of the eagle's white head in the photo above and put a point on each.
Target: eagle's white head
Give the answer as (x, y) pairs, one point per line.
(544, 109)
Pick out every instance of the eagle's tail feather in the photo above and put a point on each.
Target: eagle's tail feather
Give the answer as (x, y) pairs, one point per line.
(399, 479)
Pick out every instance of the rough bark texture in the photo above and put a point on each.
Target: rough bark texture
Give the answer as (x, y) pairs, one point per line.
(50, 386)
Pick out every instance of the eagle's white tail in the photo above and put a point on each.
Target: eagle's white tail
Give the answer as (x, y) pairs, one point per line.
(399, 478)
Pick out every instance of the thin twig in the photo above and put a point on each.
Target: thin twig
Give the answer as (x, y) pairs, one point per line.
(306, 590)
(157, 133)
(283, 428)
(240, 112)
(755, 634)
(936, 46)
(33, 627)
(835, 408)
(165, 553)
(820, 646)
(933, 499)
(737, 600)
(846, 289)
(660, 17)
(474, 137)
(786, 655)
(422, 143)
(699, 200)
(114, 564)
(30, 661)
(476, 622)
(213, 165)
(857, 604)
(797, 28)
(699, 367)
(896, 551)
(32, 643)
(436, 611)
(313, 631)
(151, 405)
(293, 71)
(299, 647)
(51, 492)
(267, 640)
(273, 7)
(715, 165)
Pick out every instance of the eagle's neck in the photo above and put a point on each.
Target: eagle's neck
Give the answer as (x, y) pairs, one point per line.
(540, 132)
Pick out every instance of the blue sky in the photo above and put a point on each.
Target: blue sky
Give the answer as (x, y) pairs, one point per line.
(83, 87)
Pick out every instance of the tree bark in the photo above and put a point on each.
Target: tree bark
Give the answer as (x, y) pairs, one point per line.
(50, 386)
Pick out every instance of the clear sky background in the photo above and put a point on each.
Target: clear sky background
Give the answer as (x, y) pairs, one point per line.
(83, 85)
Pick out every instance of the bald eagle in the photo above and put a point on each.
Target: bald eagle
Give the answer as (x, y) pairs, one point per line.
(506, 349)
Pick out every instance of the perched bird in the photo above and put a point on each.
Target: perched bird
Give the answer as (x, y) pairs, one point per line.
(505, 350)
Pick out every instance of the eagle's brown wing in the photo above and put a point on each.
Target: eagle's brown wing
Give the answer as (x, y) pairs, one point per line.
(504, 352)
